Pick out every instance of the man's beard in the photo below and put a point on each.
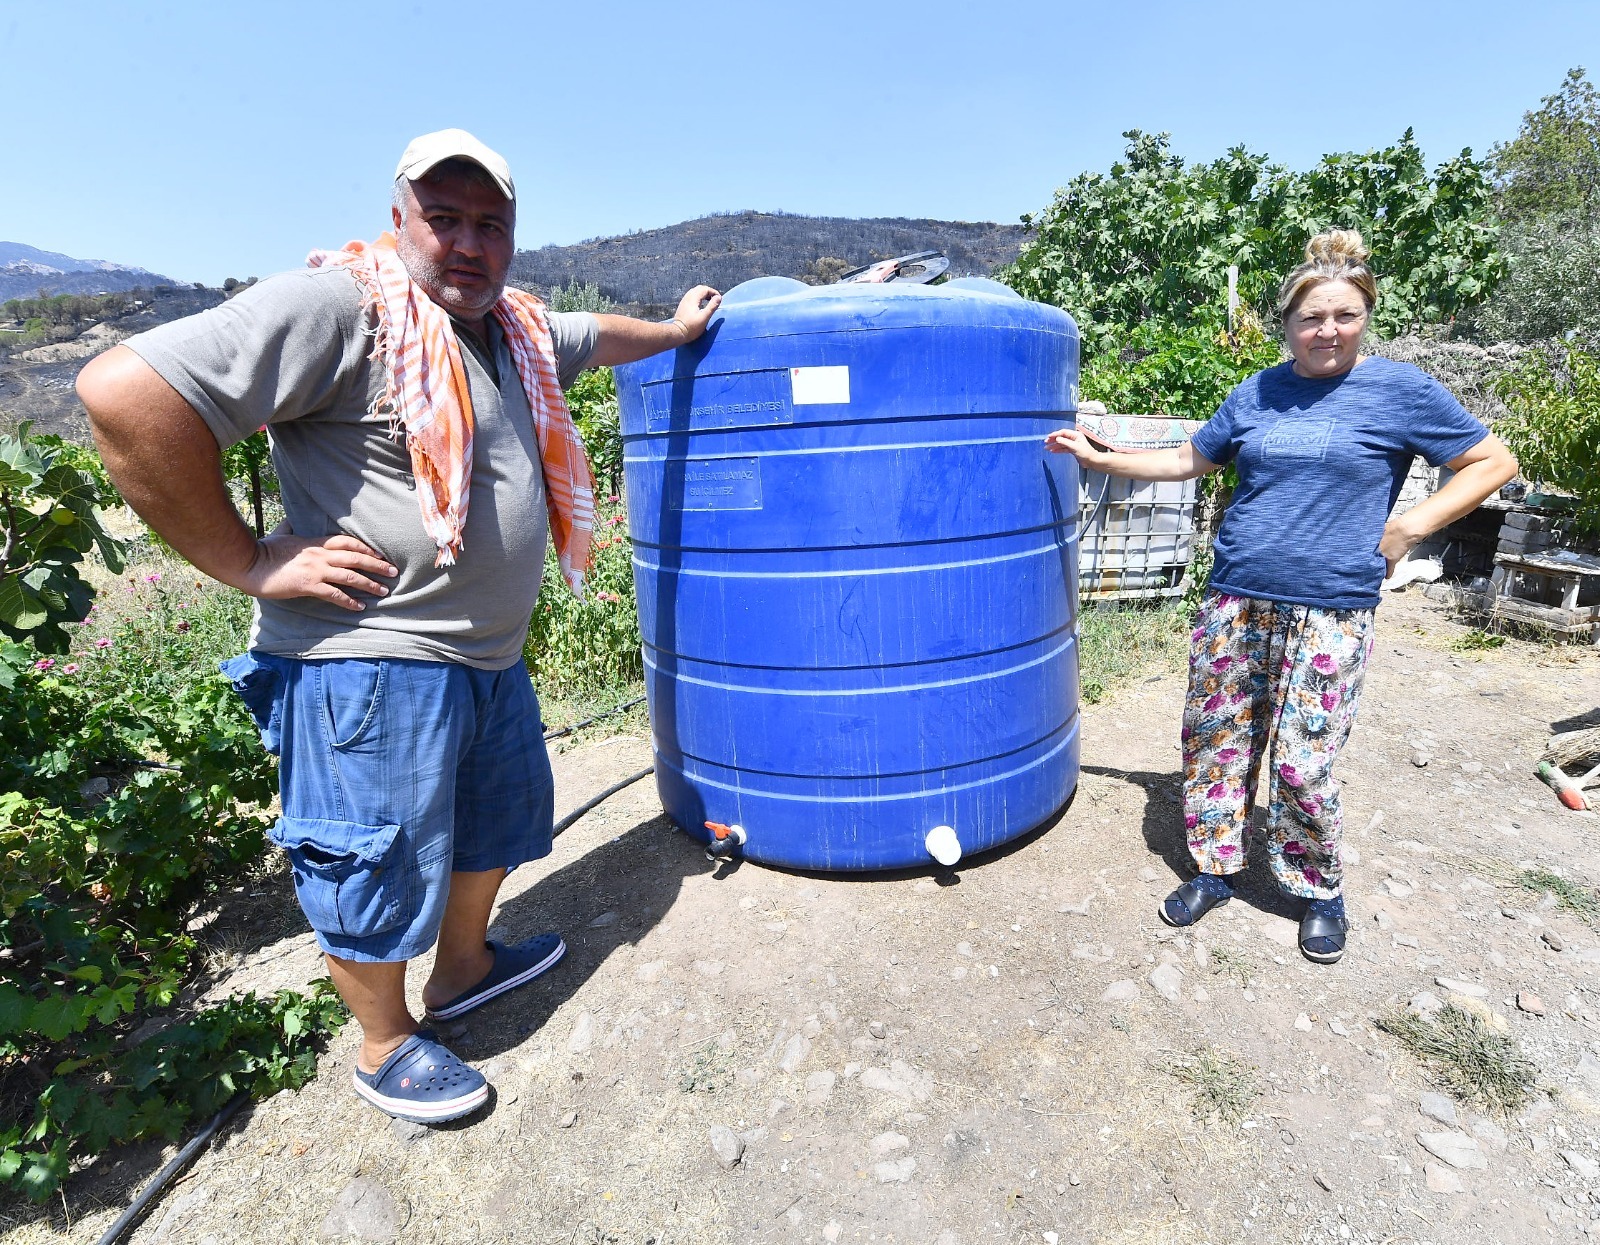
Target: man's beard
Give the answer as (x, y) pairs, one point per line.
(436, 284)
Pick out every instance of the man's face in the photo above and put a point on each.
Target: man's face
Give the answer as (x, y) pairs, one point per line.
(455, 239)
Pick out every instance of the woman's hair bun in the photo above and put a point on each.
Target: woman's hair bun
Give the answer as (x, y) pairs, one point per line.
(1337, 246)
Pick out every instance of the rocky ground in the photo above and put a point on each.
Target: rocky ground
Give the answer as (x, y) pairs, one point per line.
(1014, 1052)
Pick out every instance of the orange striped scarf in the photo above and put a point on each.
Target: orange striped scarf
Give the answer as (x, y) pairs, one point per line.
(427, 395)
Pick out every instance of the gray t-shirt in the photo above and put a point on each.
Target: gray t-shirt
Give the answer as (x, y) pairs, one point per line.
(291, 354)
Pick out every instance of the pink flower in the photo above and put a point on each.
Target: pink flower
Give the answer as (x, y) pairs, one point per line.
(1293, 849)
(152, 578)
(1228, 754)
(1191, 820)
(1314, 876)
(70, 668)
(1290, 775)
(1214, 703)
(1216, 792)
(45, 663)
(102, 643)
(1222, 663)
(1324, 664)
(1227, 849)
(1330, 701)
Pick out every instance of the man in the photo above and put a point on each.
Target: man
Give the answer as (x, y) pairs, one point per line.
(421, 441)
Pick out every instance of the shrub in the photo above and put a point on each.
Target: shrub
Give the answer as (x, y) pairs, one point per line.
(1554, 425)
(48, 523)
(132, 788)
(593, 403)
(1153, 240)
(1185, 373)
(589, 647)
(1549, 291)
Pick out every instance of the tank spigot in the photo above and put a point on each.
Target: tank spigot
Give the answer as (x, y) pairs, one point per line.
(943, 846)
(725, 840)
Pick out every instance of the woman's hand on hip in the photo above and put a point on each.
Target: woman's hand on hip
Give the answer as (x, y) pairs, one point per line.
(1399, 538)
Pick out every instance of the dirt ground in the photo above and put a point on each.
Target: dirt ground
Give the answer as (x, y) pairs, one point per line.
(915, 1058)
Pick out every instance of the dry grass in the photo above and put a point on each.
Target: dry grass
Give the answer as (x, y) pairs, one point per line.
(1468, 1059)
(1224, 1086)
(1581, 901)
(1227, 961)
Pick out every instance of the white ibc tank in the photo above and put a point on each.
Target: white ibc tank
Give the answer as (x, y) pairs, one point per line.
(1135, 538)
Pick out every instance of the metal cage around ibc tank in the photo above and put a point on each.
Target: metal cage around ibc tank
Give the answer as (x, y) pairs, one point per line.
(855, 566)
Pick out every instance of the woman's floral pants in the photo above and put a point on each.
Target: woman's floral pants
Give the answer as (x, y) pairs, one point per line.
(1265, 675)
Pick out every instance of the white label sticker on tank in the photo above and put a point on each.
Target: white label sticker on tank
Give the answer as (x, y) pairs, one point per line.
(814, 386)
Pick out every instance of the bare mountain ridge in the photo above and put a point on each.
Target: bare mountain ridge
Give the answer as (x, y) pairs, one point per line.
(649, 269)
(26, 270)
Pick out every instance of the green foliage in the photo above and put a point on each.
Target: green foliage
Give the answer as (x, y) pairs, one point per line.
(590, 646)
(1152, 242)
(578, 295)
(593, 403)
(245, 1045)
(1554, 426)
(247, 464)
(133, 788)
(1185, 373)
(107, 852)
(1552, 166)
(1477, 642)
(1549, 291)
(67, 309)
(48, 523)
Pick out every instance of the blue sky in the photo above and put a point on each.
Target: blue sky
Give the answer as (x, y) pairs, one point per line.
(206, 140)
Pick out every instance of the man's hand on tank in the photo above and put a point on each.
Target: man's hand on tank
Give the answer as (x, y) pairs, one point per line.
(330, 569)
(695, 310)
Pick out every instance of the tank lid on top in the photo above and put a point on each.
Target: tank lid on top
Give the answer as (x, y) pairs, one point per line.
(776, 306)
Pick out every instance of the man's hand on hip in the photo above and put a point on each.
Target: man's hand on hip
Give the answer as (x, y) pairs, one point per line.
(331, 569)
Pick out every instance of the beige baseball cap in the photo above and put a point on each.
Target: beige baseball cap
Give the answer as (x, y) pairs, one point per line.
(423, 153)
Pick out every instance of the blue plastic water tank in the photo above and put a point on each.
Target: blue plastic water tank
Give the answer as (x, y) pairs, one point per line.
(856, 568)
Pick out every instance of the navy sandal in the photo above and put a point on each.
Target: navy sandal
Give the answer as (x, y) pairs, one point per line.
(1194, 899)
(514, 966)
(1322, 930)
(424, 1082)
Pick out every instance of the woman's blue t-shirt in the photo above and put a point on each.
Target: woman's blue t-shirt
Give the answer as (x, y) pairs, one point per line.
(1321, 464)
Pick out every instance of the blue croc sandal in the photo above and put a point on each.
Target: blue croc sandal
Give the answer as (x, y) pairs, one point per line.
(424, 1082)
(514, 966)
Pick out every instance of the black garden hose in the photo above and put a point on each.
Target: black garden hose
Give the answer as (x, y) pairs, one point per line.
(130, 1217)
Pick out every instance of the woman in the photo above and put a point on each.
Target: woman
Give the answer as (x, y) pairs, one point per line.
(1322, 444)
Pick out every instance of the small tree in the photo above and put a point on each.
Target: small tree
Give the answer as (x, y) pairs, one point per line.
(1554, 425)
(1152, 241)
(48, 523)
(1553, 164)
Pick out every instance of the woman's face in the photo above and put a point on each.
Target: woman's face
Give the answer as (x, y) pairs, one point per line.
(1324, 329)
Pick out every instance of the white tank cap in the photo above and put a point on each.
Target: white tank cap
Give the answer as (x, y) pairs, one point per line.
(943, 845)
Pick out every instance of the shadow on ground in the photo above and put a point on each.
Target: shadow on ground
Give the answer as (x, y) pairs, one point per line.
(1162, 828)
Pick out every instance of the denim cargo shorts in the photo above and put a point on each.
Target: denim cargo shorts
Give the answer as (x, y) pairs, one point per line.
(393, 775)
